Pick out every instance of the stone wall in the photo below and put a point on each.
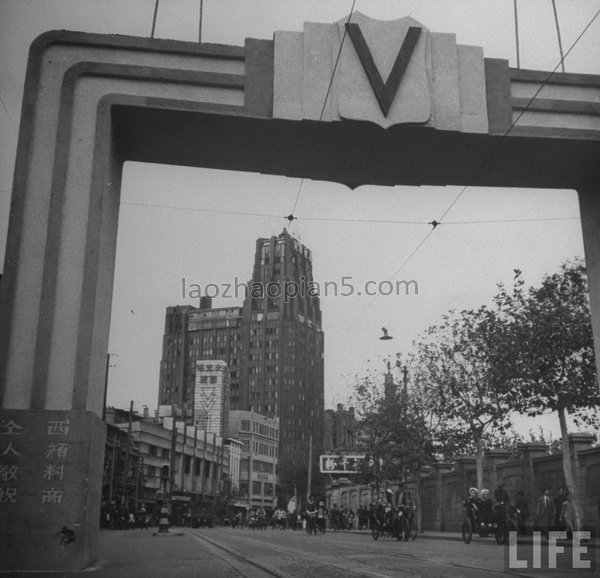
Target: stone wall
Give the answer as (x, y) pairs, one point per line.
(445, 486)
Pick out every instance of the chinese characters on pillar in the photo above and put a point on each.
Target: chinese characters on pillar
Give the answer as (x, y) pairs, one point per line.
(56, 452)
(10, 433)
(20, 452)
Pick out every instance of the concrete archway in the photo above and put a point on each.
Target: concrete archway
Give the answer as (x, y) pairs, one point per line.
(93, 102)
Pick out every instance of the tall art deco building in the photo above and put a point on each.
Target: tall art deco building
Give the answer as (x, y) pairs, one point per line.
(272, 345)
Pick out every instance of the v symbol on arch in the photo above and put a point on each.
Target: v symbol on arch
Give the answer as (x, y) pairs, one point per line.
(385, 92)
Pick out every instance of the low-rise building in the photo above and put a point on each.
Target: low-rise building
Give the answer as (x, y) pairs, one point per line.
(198, 464)
(258, 466)
(340, 429)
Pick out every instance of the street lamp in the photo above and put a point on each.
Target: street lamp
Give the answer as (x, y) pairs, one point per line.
(385, 336)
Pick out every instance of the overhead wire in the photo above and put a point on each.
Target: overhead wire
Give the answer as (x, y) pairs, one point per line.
(8, 114)
(518, 118)
(200, 17)
(516, 10)
(314, 142)
(558, 36)
(487, 159)
(215, 211)
(154, 18)
(336, 219)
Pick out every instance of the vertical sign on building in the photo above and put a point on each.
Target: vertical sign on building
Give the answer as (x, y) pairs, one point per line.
(211, 397)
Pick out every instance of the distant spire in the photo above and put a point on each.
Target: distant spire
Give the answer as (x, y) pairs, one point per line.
(389, 386)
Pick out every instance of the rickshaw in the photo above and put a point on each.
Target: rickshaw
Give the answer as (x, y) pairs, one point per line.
(495, 521)
(397, 522)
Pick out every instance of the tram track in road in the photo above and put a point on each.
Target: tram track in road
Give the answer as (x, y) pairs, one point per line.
(350, 553)
(457, 565)
(323, 561)
(410, 556)
(240, 563)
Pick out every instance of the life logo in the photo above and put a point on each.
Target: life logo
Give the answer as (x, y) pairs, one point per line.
(557, 554)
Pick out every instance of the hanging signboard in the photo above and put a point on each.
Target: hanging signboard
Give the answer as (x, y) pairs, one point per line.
(342, 463)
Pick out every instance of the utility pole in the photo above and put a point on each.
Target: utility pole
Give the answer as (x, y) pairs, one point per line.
(138, 466)
(105, 387)
(309, 484)
(172, 461)
(127, 452)
(182, 477)
(111, 487)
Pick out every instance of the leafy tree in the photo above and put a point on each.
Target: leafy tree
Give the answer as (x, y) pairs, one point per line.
(292, 473)
(395, 429)
(454, 369)
(547, 353)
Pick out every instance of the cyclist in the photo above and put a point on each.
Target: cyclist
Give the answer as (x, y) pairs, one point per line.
(486, 514)
(321, 517)
(311, 516)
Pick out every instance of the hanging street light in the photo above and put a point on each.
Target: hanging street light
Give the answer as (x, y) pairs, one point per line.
(385, 336)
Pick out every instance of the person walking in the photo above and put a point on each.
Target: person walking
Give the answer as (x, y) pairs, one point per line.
(523, 510)
(559, 502)
(545, 512)
(567, 516)
(322, 517)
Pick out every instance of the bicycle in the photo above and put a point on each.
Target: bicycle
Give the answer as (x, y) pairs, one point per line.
(311, 523)
(407, 524)
(377, 527)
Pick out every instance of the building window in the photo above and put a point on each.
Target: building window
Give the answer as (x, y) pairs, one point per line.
(256, 488)
(262, 467)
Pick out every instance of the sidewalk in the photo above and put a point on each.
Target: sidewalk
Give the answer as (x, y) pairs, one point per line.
(433, 535)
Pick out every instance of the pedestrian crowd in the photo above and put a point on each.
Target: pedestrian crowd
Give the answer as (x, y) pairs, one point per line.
(550, 513)
(127, 520)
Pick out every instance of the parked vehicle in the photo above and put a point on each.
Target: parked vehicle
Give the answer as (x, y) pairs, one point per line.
(203, 515)
(398, 522)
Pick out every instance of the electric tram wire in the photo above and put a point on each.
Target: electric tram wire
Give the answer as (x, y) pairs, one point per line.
(8, 115)
(479, 169)
(339, 220)
(316, 132)
(519, 116)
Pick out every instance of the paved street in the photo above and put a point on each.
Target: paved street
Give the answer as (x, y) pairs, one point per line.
(224, 552)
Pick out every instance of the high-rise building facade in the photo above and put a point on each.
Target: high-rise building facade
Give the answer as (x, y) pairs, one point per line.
(193, 334)
(273, 345)
(282, 339)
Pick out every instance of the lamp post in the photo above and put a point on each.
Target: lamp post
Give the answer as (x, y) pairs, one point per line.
(108, 366)
(404, 370)
(163, 521)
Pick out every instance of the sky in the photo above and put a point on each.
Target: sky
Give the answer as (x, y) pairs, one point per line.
(160, 248)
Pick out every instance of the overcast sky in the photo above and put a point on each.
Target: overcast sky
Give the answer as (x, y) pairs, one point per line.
(457, 267)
